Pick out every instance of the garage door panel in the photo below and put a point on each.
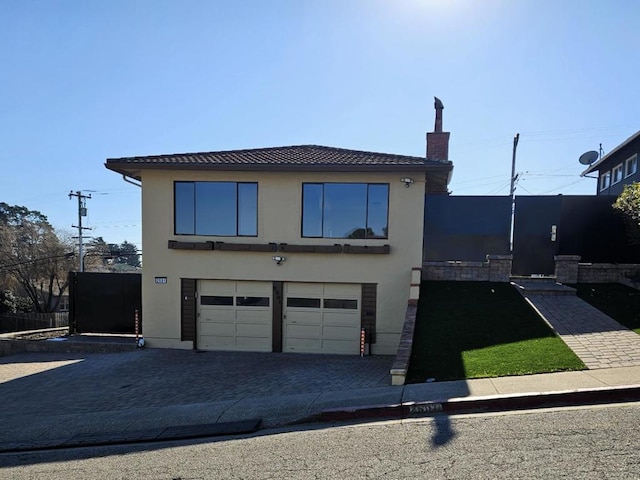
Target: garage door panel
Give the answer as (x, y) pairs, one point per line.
(219, 316)
(235, 315)
(216, 342)
(340, 346)
(303, 345)
(340, 333)
(329, 321)
(253, 344)
(261, 315)
(253, 330)
(213, 328)
(341, 318)
(303, 331)
(309, 317)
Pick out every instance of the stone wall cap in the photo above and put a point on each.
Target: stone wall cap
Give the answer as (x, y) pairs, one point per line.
(499, 257)
(567, 257)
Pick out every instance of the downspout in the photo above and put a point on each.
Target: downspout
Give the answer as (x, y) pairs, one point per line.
(124, 177)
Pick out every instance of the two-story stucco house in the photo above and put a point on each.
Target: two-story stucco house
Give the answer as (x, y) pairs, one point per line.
(287, 249)
(617, 168)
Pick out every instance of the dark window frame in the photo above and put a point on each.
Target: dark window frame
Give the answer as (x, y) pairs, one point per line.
(237, 208)
(252, 301)
(344, 303)
(311, 302)
(217, 300)
(368, 184)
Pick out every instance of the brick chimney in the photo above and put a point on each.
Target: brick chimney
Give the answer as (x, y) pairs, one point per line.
(438, 141)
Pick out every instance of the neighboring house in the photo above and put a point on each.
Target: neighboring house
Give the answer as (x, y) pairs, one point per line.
(617, 168)
(293, 249)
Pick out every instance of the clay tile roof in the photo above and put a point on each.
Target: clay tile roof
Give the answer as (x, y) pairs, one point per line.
(301, 157)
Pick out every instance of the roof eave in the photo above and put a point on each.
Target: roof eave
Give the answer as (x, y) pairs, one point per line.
(134, 170)
(596, 165)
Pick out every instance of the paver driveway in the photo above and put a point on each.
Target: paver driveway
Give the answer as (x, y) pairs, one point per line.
(73, 383)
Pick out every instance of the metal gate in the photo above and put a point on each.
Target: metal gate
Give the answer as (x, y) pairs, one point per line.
(104, 302)
(535, 235)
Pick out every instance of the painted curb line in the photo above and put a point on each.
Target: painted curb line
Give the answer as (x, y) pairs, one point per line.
(494, 403)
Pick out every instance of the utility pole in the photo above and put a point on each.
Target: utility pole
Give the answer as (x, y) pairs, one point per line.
(512, 190)
(82, 212)
(513, 166)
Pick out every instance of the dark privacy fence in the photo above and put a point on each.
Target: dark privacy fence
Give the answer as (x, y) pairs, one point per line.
(18, 322)
(467, 228)
(104, 302)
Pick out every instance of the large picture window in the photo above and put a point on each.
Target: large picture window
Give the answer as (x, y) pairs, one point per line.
(345, 210)
(216, 208)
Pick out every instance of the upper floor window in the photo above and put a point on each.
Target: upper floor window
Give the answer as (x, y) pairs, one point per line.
(345, 210)
(616, 175)
(216, 208)
(605, 180)
(631, 166)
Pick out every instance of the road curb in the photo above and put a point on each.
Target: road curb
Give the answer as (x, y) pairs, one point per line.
(163, 434)
(593, 396)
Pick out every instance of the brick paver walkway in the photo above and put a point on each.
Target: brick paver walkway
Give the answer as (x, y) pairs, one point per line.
(596, 338)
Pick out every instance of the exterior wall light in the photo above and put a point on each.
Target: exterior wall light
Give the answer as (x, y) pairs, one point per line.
(407, 181)
(278, 259)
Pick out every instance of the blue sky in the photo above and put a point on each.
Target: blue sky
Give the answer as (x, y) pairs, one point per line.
(86, 80)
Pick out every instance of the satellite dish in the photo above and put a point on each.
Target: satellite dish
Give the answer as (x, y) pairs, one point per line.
(588, 158)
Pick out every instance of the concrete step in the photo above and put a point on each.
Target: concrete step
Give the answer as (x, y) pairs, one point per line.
(541, 286)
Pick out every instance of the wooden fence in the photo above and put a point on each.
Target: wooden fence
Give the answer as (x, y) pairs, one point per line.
(18, 322)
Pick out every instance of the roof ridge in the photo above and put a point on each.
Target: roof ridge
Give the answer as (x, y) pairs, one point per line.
(265, 150)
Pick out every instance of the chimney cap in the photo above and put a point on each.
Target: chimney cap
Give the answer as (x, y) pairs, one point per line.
(438, 103)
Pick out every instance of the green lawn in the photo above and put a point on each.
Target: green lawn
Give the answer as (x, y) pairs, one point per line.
(482, 329)
(620, 302)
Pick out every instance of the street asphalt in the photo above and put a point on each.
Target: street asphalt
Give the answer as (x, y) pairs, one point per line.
(68, 399)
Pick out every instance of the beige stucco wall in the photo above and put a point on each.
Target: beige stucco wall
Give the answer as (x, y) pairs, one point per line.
(279, 220)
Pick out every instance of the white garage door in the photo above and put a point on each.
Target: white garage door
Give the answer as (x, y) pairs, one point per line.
(234, 315)
(322, 318)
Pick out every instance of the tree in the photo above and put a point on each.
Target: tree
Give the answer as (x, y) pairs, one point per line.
(629, 204)
(33, 257)
(98, 255)
(126, 253)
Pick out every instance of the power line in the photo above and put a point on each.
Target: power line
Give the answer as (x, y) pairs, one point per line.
(37, 260)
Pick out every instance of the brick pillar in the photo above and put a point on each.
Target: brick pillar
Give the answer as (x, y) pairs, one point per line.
(499, 268)
(567, 268)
